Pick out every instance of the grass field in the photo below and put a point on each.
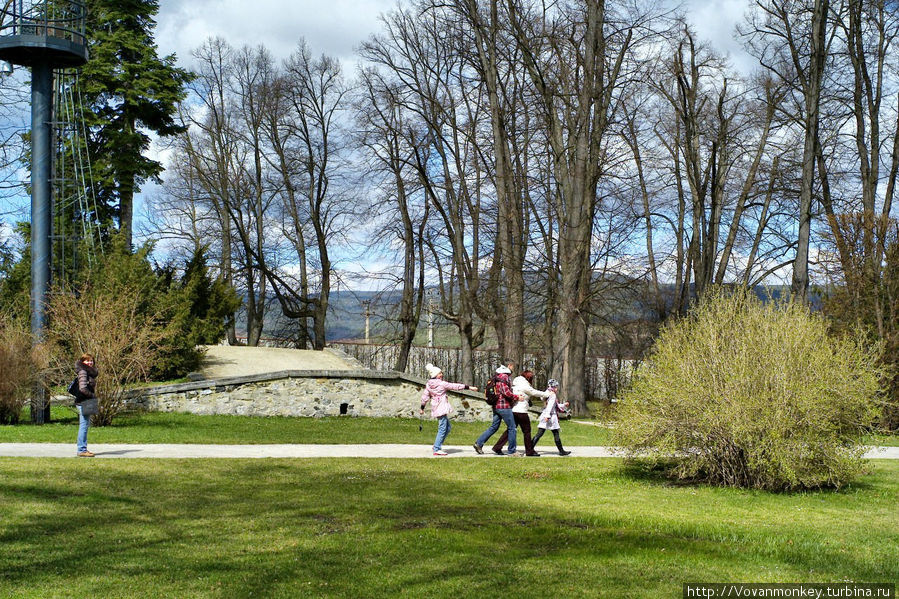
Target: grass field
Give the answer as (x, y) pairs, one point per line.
(414, 528)
(420, 528)
(157, 427)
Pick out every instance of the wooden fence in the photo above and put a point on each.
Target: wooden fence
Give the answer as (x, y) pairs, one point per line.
(604, 375)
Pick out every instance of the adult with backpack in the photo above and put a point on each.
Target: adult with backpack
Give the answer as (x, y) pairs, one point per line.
(521, 387)
(435, 392)
(83, 388)
(502, 410)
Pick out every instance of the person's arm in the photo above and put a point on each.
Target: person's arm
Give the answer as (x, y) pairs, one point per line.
(425, 396)
(84, 384)
(457, 386)
(529, 391)
(505, 391)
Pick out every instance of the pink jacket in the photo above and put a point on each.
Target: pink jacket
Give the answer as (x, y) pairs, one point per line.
(435, 391)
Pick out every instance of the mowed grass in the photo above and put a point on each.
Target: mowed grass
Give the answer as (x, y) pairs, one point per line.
(420, 528)
(158, 427)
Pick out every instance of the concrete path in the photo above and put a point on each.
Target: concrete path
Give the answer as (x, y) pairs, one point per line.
(121, 450)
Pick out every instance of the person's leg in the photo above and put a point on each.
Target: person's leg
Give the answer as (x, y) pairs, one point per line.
(84, 423)
(509, 419)
(536, 438)
(524, 421)
(559, 442)
(494, 426)
(498, 446)
(443, 428)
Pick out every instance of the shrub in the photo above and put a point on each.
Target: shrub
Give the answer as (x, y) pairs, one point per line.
(741, 393)
(114, 328)
(20, 365)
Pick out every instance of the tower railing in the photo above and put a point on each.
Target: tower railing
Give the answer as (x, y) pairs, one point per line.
(31, 27)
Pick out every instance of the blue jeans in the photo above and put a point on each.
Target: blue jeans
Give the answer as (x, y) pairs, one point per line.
(443, 429)
(84, 423)
(499, 416)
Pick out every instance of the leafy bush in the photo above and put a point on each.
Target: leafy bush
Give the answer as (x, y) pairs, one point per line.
(741, 393)
(112, 327)
(137, 321)
(20, 365)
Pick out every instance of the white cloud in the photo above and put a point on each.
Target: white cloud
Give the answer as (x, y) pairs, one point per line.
(716, 21)
(334, 28)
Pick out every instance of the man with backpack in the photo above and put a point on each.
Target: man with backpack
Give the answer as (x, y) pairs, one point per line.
(502, 409)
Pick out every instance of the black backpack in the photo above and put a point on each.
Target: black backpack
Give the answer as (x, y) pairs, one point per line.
(490, 391)
(74, 389)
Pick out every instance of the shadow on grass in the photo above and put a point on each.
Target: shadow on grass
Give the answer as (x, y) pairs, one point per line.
(360, 528)
(658, 474)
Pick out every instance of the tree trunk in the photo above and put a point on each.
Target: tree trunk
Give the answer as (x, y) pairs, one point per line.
(812, 92)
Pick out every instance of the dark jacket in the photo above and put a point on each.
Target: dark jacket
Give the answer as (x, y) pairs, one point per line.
(87, 380)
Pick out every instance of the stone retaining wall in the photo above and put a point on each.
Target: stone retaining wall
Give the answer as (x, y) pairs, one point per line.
(306, 393)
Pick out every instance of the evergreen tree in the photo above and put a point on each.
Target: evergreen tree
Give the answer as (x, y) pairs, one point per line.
(129, 91)
(15, 278)
(198, 306)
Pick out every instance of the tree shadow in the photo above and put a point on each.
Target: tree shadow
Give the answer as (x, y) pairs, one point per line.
(353, 528)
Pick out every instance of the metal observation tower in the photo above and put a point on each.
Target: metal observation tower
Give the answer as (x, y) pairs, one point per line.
(43, 35)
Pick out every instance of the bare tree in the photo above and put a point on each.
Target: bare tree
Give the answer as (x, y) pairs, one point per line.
(791, 40)
(575, 57)
(389, 133)
(422, 51)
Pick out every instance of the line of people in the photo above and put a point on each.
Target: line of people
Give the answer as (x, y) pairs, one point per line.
(512, 404)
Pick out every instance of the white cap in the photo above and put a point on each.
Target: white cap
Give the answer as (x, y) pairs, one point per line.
(503, 370)
(433, 371)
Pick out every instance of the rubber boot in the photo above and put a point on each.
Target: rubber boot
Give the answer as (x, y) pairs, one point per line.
(559, 446)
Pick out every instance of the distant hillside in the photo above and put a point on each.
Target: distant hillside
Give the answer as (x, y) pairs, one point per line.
(346, 318)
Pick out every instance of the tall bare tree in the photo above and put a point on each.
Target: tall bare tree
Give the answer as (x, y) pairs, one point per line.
(791, 39)
(575, 57)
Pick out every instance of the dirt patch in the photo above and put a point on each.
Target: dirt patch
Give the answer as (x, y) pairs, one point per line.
(225, 360)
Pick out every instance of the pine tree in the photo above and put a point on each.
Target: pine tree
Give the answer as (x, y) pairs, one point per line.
(129, 92)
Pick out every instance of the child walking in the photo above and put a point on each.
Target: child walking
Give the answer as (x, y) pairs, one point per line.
(549, 418)
(435, 392)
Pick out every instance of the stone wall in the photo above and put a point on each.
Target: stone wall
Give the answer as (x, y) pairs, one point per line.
(307, 393)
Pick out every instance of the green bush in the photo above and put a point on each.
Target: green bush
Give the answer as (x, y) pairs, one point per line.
(742, 393)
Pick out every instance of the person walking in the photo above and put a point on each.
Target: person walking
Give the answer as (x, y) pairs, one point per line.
(497, 418)
(435, 392)
(505, 399)
(549, 418)
(86, 375)
(521, 387)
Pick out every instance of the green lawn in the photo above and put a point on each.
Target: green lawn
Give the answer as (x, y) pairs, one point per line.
(420, 528)
(157, 427)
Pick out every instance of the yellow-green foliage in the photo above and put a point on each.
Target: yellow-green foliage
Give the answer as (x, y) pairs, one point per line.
(742, 393)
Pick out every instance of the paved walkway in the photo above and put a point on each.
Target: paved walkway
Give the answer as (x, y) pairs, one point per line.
(122, 450)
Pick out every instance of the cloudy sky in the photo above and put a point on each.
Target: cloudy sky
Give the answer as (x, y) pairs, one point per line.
(336, 27)
(333, 27)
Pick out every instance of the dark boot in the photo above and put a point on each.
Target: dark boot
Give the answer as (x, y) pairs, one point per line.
(559, 444)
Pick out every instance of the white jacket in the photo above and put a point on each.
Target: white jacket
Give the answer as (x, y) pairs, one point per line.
(522, 388)
(549, 418)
